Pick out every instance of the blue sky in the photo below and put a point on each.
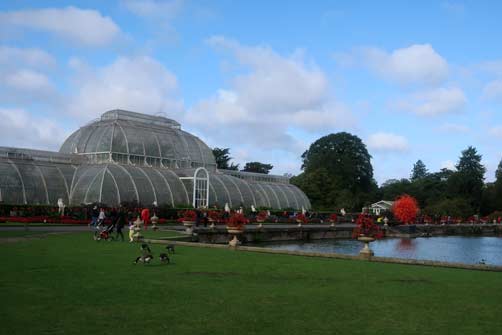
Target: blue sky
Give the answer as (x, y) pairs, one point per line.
(414, 80)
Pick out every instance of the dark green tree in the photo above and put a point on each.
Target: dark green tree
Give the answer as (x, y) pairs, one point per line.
(468, 181)
(257, 167)
(345, 157)
(419, 171)
(222, 157)
(498, 172)
(337, 173)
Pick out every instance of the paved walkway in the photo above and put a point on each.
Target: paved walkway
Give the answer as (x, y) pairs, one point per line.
(81, 228)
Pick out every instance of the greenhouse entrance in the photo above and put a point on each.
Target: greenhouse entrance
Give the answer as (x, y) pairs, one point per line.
(200, 188)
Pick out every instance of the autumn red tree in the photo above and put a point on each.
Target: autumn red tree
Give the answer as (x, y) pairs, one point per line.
(405, 209)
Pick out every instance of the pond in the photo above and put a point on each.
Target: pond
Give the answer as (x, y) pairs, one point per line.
(454, 249)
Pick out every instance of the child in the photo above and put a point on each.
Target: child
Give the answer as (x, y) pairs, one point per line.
(131, 231)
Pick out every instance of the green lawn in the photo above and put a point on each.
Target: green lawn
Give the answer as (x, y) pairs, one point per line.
(70, 284)
(20, 233)
(161, 234)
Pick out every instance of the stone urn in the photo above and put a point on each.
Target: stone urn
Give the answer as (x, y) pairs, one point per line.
(366, 251)
(155, 220)
(234, 242)
(137, 229)
(189, 225)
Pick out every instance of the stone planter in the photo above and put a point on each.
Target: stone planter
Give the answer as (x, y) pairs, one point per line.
(154, 219)
(234, 242)
(189, 225)
(366, 251)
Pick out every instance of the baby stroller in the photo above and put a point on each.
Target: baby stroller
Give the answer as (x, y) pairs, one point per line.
(104, 233)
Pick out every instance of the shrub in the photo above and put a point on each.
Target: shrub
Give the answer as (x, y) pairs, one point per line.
(405, 209)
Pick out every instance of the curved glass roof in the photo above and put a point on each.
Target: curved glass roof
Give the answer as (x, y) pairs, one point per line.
(127, 156)
(140, 135)
(113, 183)
(37, 183)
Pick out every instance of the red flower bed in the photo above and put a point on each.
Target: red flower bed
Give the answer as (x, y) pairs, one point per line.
(188, 216)
(367, 227)
(301, 218)
(262, 216)
(237, 221)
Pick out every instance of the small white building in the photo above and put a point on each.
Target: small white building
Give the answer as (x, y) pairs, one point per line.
(379, 207)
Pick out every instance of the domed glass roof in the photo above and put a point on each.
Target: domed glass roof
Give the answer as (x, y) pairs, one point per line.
(130, 137)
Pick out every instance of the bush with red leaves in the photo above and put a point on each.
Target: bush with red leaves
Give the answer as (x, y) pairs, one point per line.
(301, 218)
(237, 221)
(367, 227)
(405, 209)
(188, 216)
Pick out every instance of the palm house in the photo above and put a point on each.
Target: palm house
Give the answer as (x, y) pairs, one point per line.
(131, 157)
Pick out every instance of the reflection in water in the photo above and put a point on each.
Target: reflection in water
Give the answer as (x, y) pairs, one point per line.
(456, 249)
(406, 244)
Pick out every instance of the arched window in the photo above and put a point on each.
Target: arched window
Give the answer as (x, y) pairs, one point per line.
(200, 188)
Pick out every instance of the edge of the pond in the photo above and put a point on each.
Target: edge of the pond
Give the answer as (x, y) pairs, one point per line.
(478, 267)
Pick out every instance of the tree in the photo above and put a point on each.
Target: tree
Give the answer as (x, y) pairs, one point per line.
(257, 167)
(337, 173)
(468, 181)
(222, 158)
(345, 157)
(498, 172)
(405, 209)
(419, 171)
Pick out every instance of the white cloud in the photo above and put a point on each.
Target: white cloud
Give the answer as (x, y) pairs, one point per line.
(387, 142)
(417, 64)
(33, 57)
(85, 26)
(454, 128)
(454, 8)
(139, 84)
(28, 80)
(495, 131)
(432, 102)
(492, 67)
(270, 95)
(154, 8)
(21, 129)
(493, 90)
(448, 164)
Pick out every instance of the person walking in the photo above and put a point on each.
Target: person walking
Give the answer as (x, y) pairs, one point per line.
(101, 217)
(94, 216)
(121, 221)
(145, 216)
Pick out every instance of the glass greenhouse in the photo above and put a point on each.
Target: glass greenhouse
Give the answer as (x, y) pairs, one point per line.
(125, 157)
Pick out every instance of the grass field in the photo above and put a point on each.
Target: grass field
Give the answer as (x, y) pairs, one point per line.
(70, 284)
(20, 233)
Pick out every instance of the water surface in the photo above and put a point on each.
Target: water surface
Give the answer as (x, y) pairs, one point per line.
(454, 249)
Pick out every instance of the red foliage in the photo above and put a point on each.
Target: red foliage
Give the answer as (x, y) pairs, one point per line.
(367, 227)
(262, 216)
(405, 209)
(301, 218)
(214, 216)
(188, 215)
(333, 218)
(237, 221)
